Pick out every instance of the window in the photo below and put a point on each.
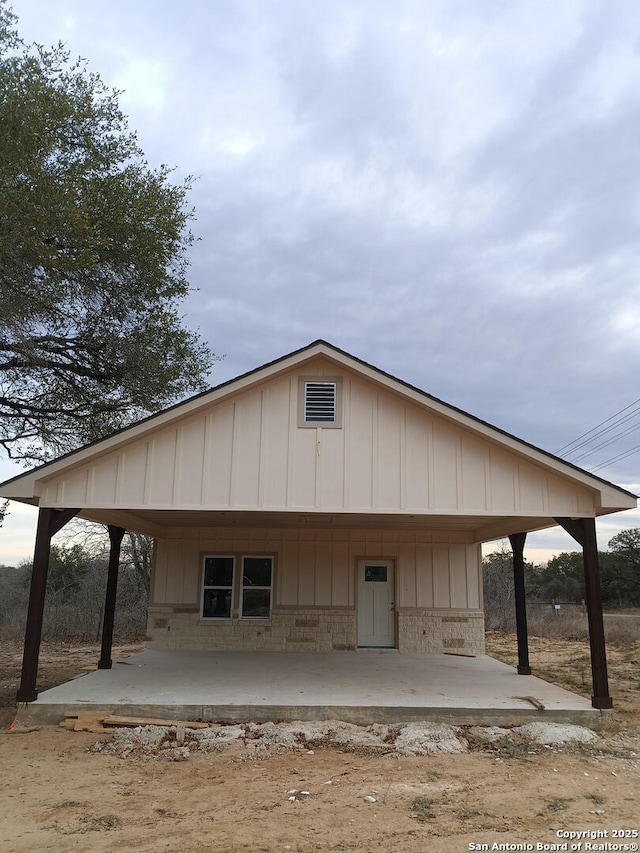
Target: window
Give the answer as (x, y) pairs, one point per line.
(320, 402)
(375, 574)
(251, 576)
(218, 587)
(256, 587)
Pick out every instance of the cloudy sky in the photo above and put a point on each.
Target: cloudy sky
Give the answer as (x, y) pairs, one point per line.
(448, 189)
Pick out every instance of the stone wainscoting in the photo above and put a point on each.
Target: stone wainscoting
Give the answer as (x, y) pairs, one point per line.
(314, 629)
(289, 630)
(435, 632)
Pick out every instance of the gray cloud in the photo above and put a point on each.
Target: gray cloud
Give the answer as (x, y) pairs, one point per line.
(447, 190)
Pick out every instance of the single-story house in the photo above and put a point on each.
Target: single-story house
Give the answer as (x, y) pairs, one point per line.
(317, 503)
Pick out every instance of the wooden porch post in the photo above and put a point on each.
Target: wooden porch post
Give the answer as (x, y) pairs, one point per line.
(50, 521)
(583, 530)
(115, 536)
(517, 541)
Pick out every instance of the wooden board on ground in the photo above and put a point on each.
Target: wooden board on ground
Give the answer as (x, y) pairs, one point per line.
(90, 721)
(98, 721)
(115, 720)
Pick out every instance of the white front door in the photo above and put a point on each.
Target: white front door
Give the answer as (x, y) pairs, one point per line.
(376, 604)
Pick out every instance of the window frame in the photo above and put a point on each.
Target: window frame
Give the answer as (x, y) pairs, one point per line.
(302, 386)
(242, 586)
(204, 587)
(237, 585)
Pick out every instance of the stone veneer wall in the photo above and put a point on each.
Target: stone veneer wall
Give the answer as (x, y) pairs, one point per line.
(432, 631)
(313, 629)
(297, 629)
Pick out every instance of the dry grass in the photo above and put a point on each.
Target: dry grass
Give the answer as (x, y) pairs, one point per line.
(567, 624)
(566, 661)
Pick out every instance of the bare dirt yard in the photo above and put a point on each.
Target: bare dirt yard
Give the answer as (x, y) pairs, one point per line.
(76, 791)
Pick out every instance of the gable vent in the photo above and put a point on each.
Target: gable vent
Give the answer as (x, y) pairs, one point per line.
(320, 402)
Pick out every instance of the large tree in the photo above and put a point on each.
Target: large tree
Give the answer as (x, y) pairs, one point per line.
(93, 257)
(622, 575)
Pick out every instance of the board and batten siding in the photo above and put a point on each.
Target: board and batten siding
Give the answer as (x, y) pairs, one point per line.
(438, 601)
(248, 452)
(315, 568)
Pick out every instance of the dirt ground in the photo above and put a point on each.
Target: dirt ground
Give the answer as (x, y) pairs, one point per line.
(58, 793)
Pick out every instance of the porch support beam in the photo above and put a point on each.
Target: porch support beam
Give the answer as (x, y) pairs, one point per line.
(115, 536)
(517, 541)
(583, 530)
(50, 521)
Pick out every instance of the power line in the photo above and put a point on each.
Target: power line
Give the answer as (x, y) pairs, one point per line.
(590, 442)
(607, 443)
(587, 441)
(566, 447)
(618, 458)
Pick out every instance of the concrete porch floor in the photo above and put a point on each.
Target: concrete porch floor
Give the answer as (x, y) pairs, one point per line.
(362, 687)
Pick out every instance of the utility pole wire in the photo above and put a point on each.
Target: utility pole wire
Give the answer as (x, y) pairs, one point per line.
(565, 448)
(584, 445)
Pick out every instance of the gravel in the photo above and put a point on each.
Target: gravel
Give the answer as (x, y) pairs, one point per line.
(408, 739)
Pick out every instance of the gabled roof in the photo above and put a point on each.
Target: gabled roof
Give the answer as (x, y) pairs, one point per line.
(296, 358)
(61, 480)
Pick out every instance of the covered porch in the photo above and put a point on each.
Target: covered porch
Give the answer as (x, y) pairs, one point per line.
(361, 687)
(278, 530)
(376, 684)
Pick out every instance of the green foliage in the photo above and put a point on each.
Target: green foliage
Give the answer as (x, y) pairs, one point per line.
(561, 580)
(136, 551)
(627, 544)
(75, 597)
(93, 259)
(67, 569)
(621, 568)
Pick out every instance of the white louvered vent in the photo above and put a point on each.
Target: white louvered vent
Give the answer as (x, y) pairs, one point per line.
(320, 402)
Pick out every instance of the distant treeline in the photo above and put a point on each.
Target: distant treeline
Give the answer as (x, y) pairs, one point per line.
(76, 586)
(77, 580)
(561, 581)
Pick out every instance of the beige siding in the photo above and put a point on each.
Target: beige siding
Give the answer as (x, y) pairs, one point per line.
(217, 462)
(306, 451)
(316, 568)
(191, 445)
(359, 463)
(391, 455)
(441, 580)
(423, 579)
(444, 467)
(418, 459)
(340, 579)
(274, 450)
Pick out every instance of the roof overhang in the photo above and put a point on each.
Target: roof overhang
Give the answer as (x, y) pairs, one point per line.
(470, 529)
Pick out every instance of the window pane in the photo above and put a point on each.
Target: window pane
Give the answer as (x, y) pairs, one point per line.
(218, 571)
(256, 603)
(256, 571)
(375, 574)
(217, 603)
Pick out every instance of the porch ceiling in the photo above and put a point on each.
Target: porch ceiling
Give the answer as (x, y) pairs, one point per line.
(472, 528)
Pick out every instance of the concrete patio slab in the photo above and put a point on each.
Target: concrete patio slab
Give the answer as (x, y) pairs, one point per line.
(360, 687)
